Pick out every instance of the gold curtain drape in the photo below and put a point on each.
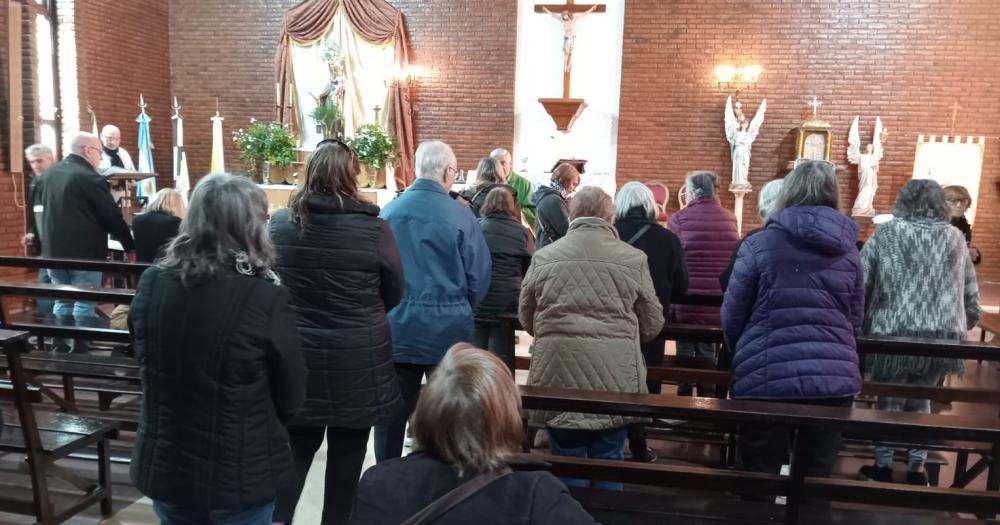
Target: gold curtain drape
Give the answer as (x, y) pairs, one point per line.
(377, 22)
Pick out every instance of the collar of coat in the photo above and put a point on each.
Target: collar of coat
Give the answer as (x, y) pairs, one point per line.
(591, 223)
(73, 158)
(427, 185)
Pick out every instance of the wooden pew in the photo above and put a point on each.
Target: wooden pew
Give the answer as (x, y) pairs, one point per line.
(870, 423)
(45, 438)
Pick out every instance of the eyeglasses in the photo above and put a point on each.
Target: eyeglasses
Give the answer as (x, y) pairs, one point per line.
(959, 202)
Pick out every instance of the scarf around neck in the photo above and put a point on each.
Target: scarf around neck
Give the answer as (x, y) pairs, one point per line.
(113, 155)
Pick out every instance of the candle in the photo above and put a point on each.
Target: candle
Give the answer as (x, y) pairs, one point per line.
(277, 94)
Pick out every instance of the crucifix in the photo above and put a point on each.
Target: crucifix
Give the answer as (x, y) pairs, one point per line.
(954, 115)
(569, 14)
(815, 105)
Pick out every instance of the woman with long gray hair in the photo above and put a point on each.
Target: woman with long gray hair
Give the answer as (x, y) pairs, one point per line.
(792, 313)
(919, 282)
(221, 366)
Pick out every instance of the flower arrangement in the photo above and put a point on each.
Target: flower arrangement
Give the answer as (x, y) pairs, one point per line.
(265, 141)
(328, 115)
(375, 148)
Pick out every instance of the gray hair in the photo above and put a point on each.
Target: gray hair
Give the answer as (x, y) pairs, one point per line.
(38, 150)
(432, 159)
(921, 199)
(700, 184)
(499, 153)
(635, 195)
(768, 197)
(812, 183)
(592, 202)
(169, 201)
(227, 218)
(78, 145)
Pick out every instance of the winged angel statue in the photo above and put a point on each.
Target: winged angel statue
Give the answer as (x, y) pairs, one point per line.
(867, 167)
(741, 135)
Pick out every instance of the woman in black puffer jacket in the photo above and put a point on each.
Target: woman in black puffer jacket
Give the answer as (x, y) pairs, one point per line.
(511, 248)
(341, 264)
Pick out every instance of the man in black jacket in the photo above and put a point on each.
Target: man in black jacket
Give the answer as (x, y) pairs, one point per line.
(73, 213)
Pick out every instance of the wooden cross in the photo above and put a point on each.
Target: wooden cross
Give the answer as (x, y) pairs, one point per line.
(815, 104)
(569, 13)
(954, 115)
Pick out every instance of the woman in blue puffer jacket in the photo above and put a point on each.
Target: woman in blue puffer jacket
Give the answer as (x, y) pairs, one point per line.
(792, 312)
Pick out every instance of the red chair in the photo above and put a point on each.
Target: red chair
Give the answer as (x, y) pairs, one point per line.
(661, 195)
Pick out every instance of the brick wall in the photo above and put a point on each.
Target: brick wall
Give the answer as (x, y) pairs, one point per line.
(467, 99)
(11, 214)
(906, 62)
(123, 49)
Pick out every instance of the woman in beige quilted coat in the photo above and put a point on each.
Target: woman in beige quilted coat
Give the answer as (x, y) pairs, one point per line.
(589, 301)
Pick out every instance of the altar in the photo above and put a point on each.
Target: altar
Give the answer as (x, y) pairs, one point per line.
(278, 194)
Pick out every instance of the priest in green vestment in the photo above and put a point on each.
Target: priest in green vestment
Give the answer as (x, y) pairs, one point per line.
(522, 185)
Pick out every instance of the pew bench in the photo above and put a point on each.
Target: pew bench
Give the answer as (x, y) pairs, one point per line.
(44, 438)
(796, 487)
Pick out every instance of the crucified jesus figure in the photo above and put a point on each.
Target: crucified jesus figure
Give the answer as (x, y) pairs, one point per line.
(569, 21)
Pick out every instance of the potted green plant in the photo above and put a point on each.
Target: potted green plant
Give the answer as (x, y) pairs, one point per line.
(266, 146)
(376, 150)
(329, 116)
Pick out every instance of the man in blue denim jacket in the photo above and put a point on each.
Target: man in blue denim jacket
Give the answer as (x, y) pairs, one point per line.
(447, 267)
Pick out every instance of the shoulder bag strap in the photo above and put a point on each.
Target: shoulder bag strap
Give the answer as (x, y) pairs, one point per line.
(442, 505)
(644, 229)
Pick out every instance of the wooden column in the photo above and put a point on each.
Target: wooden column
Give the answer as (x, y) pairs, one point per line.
(16, 124)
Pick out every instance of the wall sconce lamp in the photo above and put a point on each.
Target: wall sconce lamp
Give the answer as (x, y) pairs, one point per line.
(408, 75)
(744, 75)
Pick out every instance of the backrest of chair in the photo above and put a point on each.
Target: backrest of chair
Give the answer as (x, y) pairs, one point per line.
(14, 344)
(661, 194)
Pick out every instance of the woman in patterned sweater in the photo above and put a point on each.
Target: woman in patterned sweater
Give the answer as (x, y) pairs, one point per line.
(919, 282)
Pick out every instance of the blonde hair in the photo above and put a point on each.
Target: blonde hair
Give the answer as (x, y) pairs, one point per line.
(169, 201)
(469, 413)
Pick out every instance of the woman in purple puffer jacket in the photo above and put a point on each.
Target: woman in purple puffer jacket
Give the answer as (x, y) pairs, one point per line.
(709, 236)
(792, 312)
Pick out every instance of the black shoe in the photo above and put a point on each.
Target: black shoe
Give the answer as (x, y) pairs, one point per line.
(917, 478)
(685, 389)
(873, 473)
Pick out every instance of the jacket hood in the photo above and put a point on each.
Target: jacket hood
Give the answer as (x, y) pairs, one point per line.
(325, 204)
(591, 223)
(544, 191)
(819, 227)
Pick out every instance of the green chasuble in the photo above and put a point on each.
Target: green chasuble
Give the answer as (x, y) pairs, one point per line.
(524, 194)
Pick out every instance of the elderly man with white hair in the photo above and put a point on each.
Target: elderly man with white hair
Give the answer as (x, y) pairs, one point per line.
(446, 266)
(73, 214)
(708, 235)
(112, 154)
(39, 157)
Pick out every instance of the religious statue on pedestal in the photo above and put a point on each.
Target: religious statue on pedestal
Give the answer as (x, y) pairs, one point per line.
(867, 167)
(741, 135)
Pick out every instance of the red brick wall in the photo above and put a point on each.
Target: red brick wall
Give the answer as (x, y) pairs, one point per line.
(467, 99)
(123, 49)
(906, 62)
(11, 215)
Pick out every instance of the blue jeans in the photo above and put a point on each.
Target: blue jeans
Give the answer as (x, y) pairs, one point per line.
(593, 444)
(78, 310)
(915, 457)
(44, 306)
(176, 515)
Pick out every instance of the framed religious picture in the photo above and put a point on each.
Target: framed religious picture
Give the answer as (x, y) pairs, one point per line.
(814, 141)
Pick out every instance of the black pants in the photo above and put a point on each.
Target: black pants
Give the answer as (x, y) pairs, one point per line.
(498, 338)
(652, 354)
(764, 448)
(389, 437)
(346, 449)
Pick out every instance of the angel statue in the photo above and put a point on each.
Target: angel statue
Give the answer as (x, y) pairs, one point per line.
(741, 135)
(867, 167)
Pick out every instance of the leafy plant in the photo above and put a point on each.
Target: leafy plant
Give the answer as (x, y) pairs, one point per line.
(374, 146)
(327, 115)
(267, 141)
